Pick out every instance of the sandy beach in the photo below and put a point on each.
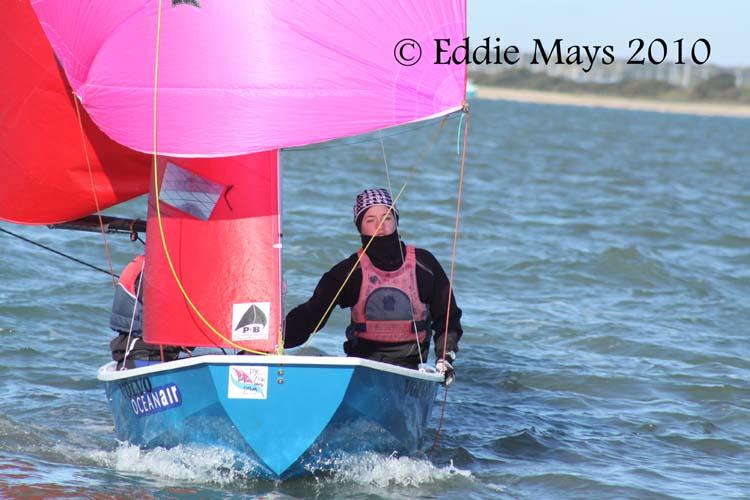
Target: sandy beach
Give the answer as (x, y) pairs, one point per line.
(599, 101)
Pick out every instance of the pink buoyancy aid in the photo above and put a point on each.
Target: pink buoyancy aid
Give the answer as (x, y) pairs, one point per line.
(123, 317)
(130, 274)
(389, 308)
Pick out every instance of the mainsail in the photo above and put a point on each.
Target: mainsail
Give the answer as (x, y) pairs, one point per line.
(220, 219)
(214, 88)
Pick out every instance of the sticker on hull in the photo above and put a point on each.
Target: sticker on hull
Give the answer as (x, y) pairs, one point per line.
(248, 382)
(155, 400)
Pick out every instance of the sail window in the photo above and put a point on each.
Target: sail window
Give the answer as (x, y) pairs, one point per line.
(189, 192)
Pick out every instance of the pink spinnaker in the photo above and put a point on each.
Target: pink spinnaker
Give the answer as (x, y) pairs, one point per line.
(241, 76)
(237, 81)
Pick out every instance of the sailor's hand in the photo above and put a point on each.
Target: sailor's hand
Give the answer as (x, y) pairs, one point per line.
(444, 367)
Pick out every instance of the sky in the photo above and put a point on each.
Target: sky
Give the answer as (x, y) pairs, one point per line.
(724, 23)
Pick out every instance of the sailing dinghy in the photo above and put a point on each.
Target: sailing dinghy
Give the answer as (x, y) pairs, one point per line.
(191, 101)
(288, 413)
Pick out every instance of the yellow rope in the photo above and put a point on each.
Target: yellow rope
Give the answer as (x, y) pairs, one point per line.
(401, 253)
(158, 210)
(163, 238)
(413, 171)
(354, 267)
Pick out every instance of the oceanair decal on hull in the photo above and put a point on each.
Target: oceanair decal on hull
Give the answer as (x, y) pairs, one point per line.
(147, 400)
(247, 382)
(250, 321)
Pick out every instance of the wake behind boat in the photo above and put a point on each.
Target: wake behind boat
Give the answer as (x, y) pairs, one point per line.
(287, 413)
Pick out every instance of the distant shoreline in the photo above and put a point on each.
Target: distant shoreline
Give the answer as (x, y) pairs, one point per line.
(600, 101)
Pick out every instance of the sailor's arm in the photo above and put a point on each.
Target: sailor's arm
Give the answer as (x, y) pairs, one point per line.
(436, 293)
(302, 320)
(439, 312)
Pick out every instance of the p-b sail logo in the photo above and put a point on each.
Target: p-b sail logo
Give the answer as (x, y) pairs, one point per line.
(250, 320)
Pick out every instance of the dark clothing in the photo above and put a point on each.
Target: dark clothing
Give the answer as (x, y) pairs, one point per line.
(138, 351)
(128, 341)
(127, 312)
(386, 254)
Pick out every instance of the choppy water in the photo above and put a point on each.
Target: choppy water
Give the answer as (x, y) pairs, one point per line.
(603, 270)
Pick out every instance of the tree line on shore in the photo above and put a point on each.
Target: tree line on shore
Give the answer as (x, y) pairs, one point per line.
(719, 88)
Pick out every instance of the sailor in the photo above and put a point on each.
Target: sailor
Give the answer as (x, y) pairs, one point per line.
(128, 348)
(398, 295)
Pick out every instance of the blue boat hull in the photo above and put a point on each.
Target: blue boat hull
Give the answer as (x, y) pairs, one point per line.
(288, 413)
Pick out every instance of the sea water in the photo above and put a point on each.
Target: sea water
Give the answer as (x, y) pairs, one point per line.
(603, 269)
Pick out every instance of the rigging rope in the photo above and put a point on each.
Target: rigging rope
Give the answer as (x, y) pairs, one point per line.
(161, 227)
(348, 142)
(400, 251)
(413, 171)
(132, 317)
(450, 279)
(60, 253)
(158, 209)
(93, 191)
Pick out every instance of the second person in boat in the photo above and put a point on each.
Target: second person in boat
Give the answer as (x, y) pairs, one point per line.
(129, 348)
(398, 295)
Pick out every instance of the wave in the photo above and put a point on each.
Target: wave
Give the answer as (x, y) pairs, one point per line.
(199, 465)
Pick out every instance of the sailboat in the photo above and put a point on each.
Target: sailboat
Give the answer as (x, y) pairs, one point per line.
(471, 89)
(191, 101)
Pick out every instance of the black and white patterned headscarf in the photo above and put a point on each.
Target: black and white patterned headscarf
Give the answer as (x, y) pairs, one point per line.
(369, 198)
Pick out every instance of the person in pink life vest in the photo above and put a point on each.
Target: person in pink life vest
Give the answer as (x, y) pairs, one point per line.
(398, 295)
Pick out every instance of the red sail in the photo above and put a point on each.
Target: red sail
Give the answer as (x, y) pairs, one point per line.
(45, 177)
(220, 219)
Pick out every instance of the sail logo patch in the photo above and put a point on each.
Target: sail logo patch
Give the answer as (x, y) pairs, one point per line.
(247, 382)
(250, 321)
(155, 400)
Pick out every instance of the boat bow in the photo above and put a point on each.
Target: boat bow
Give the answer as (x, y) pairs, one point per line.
(286, 412)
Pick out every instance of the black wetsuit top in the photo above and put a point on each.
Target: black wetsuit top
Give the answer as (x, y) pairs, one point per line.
(386, 254)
